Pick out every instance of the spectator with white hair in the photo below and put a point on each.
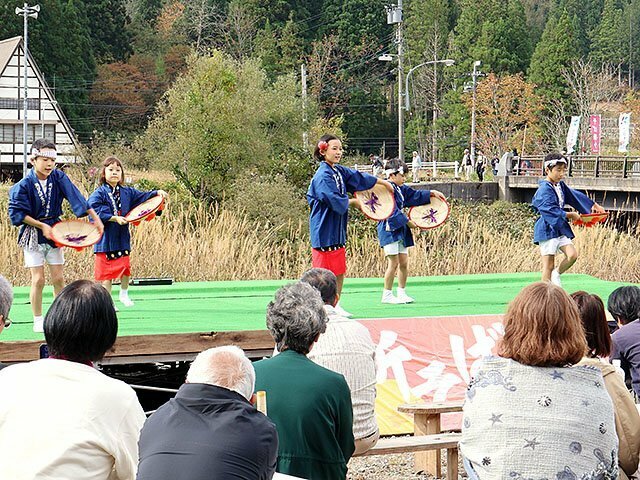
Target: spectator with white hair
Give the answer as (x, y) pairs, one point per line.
(6, 299)
(210, 429)
(310, 405)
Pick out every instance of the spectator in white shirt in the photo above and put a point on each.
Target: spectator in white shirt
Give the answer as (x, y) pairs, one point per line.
(60, 418)
(346, 347)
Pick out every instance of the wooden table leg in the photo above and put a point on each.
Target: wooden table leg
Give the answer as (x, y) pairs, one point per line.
(452, 464)
(427, 462)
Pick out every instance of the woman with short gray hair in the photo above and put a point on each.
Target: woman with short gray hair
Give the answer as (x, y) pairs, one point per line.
(310, 405)
(296, 317)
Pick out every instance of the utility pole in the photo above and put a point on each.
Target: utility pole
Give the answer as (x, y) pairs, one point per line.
(476, 73)
(400, 72)
(303, 79)
(26, 12)
(434, 147)
(394, 17)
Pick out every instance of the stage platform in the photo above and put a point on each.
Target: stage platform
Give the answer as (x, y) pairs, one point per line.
(174, 322)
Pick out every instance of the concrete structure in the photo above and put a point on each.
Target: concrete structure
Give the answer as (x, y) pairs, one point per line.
(45, 118)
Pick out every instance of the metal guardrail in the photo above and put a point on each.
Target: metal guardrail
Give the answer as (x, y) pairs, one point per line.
(583, 166)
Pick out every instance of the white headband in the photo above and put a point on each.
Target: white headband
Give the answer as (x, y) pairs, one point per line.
(44, 153)
(554, 162)
(391, 171)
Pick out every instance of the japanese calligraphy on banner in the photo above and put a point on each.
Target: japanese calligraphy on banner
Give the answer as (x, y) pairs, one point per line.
(427, 359)
(594, 127)
(624, 122)
(572, 134)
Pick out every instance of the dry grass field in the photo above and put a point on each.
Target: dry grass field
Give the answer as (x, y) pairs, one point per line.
(192, 243)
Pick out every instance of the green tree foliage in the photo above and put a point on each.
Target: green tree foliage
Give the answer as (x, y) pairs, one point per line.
(110, 35)
(220, 118)
(427, 29)
(499, 38)
(585, 17)
(557, 47)
(610, 42)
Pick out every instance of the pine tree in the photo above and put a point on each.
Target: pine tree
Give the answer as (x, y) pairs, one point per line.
(111, 39)
(267, 50)
(486, 32)
(556, 49)
(610, 39)
(291, 47)
(427, 29)
(585, 15)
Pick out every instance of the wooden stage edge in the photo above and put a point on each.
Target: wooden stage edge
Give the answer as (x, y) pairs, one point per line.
(156, 348)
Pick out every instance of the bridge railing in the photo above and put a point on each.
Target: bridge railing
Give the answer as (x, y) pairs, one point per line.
(584, 166)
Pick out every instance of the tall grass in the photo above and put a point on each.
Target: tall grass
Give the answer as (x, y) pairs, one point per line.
(191, 243)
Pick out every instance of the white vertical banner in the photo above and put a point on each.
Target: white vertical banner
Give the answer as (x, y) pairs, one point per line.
(572, 134)
(624, 123)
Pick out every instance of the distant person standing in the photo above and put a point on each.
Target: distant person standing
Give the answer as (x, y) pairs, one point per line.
(481, 165)
(467, 164)
(376, 164)
(495, 161)
(415, 167)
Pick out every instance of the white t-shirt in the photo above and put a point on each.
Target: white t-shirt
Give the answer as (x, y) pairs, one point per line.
(62, 420)
(558, 189)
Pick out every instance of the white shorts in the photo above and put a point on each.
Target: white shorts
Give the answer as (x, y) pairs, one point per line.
(45, 253)
(395, 248)
(552, 246)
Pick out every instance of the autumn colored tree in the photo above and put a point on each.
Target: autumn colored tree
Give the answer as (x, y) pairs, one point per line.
(507, 112)
(118, 97)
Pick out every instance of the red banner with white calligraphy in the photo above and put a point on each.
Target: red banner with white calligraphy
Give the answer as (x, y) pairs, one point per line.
(429, 359)
(594, 127)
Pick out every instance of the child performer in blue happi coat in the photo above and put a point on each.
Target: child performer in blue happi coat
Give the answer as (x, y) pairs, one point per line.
(112, 201)
(35, 204)
(552, 230)
(327, 197)
(394, 233)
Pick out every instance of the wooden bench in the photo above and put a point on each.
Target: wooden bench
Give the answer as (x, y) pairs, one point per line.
(426, 421)
(422, 443)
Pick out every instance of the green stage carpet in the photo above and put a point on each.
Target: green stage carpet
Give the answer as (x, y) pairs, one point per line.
(241, 305)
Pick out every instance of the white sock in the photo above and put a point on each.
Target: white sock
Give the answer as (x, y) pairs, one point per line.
(387, 292)
(124, 292)
(38, 318)
(401, 291)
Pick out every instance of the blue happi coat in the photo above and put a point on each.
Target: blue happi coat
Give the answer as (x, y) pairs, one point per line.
(395, 227)
(116, 237)
(27, 197)
(553, 221)
(327, 197)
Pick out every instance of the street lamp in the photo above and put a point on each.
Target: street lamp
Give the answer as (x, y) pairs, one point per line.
(448, 62)
(474, 77)
(26, 12)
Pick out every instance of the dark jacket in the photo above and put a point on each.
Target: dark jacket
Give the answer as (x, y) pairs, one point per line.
(207, 432)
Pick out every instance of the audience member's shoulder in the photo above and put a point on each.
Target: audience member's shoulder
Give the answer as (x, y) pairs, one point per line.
(323, 374)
